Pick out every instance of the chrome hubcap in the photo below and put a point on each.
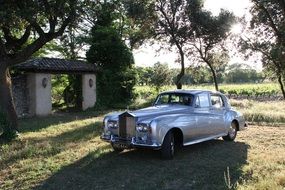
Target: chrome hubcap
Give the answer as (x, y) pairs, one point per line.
(172, 147)
(232, 131)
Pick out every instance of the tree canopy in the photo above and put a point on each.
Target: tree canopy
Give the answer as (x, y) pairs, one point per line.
(209, 34)
(267, 36)
(26, 26)
(113, 59)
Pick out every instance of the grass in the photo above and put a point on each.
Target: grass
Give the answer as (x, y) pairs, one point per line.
(65, 152)
(246, 89)
(260, 112)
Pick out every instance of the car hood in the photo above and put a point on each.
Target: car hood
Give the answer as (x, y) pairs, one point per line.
(149, 113)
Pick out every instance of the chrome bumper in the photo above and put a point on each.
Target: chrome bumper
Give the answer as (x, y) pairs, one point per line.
(129, 142)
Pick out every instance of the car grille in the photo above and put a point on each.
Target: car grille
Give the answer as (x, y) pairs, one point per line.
(126, 125)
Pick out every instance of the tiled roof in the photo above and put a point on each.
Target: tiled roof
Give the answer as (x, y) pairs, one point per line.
(54, 65)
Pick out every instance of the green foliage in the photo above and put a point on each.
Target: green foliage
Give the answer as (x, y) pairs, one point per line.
(195, 75)
(25, 27)
(137, 12)
(210, 34)
(161, 76)
(252, 91)
(58, 82)
(266, 36)
(144, 75)
(239, 73)
(174, 28)
(116, 77)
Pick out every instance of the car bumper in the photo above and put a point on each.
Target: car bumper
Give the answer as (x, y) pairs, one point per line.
(129, 142)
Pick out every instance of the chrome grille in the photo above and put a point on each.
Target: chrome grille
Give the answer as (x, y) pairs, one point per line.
(126, 125)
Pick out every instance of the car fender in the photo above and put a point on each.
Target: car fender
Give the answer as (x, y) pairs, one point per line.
(162, 125)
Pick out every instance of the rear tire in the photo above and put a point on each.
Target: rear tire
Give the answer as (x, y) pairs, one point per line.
(117, 149)
(232, 132)
(168, 147)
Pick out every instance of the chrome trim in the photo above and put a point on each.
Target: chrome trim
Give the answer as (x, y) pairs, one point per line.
(204, 139)
(129, 142)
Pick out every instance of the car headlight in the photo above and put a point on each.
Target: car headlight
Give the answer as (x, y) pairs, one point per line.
(143, 127)
(112, 124)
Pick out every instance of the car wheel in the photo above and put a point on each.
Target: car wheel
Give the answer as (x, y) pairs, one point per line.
(116, 148)
(168, 146)
(232, 132)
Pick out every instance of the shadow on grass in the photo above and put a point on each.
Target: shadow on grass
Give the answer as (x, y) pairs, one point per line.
(36, 124)
(49, 146)
(200, 166)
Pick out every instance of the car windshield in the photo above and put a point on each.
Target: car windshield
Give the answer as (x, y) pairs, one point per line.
(174, 98)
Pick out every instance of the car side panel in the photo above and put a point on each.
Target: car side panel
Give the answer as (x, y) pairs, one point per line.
(204, 122)
(185, 122)
(217, 117)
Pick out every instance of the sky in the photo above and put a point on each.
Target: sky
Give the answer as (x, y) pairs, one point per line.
(148, 55)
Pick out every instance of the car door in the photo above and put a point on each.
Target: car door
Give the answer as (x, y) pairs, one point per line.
(202, 116)
(218, 113)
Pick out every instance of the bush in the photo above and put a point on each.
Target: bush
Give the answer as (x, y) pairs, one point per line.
(116, 77)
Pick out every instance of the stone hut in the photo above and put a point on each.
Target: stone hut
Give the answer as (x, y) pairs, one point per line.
(32, 89)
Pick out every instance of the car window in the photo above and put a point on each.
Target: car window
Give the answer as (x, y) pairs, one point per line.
(217, 101)
(202, 101)
(174, 98)
(163, 99)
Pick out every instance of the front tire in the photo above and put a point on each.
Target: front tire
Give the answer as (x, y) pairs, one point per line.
(232, 132)
(168, 147)
(117, 149)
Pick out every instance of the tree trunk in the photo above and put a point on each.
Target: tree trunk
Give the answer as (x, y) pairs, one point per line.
(182, 72)
(7, 107)
(214, 76)
(281, 85)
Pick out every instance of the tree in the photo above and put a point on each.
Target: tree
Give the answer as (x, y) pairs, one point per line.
(210, 33)
(144, 75)
(25, 26)
(184, 22)
(266, 36)
(116, 77)
(161, 76)
(241, 73)
(137, 21)
(173, 27)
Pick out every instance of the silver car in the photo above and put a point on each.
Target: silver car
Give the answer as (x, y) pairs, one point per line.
(177, 118)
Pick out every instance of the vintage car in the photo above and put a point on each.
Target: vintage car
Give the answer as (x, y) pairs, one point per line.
(177, 118)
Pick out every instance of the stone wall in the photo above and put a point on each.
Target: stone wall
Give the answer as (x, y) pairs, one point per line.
(20, 95)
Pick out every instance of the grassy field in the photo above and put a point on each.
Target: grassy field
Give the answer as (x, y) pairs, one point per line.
(261, 112)
(253, 91)
(65, 152)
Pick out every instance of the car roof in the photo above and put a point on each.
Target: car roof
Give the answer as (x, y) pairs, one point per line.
(190, 91)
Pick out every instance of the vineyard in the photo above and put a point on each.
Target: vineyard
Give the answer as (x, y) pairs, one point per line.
(252, 91)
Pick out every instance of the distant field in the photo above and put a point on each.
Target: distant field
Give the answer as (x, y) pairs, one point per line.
(233, 90)
(65, 152)
(259, 112)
